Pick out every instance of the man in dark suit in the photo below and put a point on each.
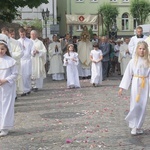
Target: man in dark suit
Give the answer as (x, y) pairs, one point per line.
(105, 48)
(65, 42)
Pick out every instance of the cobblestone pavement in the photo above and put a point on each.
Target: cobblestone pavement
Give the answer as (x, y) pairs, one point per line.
(57, 118)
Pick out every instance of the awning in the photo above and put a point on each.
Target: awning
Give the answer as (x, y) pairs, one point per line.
(82, 19)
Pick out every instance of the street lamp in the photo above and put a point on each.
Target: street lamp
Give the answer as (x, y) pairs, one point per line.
(45, 16)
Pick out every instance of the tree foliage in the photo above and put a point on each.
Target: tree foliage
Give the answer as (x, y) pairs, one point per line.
(8, 8)
(140, 10)
(108, 14)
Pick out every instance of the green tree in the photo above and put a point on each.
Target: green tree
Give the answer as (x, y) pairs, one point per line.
(37, 24)
(108, 14)
(8, 8)
(140, 10)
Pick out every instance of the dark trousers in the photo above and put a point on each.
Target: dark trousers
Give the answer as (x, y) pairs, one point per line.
(116, 64)
(105, 65)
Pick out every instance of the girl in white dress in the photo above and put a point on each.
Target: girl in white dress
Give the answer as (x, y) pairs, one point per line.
(8, 76)
(137, 74)
(71, 61)
(96, 56)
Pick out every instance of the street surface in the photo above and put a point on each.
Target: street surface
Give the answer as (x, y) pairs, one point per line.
(88, 118)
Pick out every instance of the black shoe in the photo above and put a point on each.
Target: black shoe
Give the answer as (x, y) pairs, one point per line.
(24, 94)
(28, 93)
(35, 89)
(16, 98)
(89, 77)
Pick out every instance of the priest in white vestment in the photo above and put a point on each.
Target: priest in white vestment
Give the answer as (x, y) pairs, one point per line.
(135, 39)
(38, 62)
(17, 53)
(84, 50)
(56, 68)
(124, 55)
(26, 63)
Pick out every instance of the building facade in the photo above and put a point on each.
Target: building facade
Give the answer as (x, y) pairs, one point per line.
(28, 16)
(124, 21)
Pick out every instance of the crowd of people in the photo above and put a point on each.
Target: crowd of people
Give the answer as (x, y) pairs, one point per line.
(24, 66)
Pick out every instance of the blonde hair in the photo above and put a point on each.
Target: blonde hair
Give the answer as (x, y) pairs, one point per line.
(146, 56)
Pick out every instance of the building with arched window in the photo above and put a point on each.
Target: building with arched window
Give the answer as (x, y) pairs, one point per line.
(29, 16)
(124, 21)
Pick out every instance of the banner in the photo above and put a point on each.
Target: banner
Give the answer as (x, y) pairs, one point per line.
(81, 19)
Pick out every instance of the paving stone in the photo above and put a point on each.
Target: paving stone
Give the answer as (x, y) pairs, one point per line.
(88, 118)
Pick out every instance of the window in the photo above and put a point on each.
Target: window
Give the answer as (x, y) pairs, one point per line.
(113, 0)
(94, 27)
(125, 21)
(94, 0)
(135, 24)
(125, 0)
(79, 27)
(79, 0)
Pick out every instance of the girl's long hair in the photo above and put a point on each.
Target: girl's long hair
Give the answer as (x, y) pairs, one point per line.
(146, 56)
(4, 43)
(68, 48)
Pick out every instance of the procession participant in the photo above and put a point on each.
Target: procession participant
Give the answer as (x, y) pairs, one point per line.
(71, 61)
(12, 33)
(65, 42)
(8, 76)
(135, 39)
(84, 50)
(56, 68)
(124, 55)
(137, 75)
(105, 48)
(17, 53)
(26, 63)
(95, 39)
(116, 55)
(75, 43)
(38, 62)
(96, 57)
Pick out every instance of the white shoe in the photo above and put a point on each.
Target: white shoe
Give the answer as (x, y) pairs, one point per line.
(4, 132)
(133, 131)
(139, 131)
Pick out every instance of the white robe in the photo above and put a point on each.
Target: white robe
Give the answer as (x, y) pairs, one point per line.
(133, 44)
(56, 64)
(71, 69)
(26, 63)
(96, 68)
(147, 40)
(38, 64)
(8, 71)
(133, 73)
(84, 49)
(17, 53)
(124, 57)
